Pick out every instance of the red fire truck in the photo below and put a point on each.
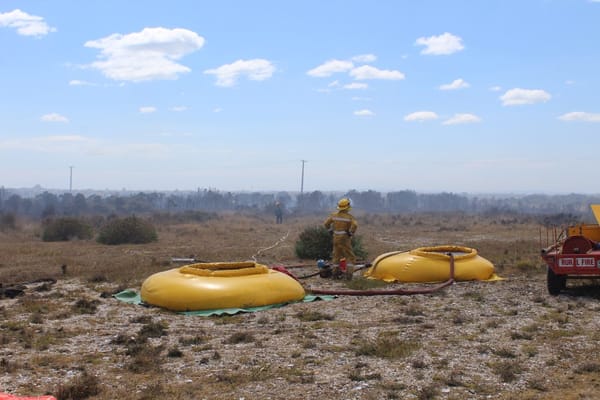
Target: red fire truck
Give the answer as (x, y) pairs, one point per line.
(576, 254)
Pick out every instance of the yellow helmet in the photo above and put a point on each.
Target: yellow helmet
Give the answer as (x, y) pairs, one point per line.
(343, 204)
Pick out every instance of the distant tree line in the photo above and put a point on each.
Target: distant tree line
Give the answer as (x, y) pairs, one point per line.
(49, 204)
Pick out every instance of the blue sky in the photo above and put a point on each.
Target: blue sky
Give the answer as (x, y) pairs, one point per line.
(489, 96)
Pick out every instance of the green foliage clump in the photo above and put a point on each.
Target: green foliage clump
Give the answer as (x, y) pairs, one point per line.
(357, 247)
(127, 230)
(64, 229)
(315, 243)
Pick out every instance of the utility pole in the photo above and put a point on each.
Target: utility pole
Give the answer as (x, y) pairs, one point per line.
(301, 199)
(302, 180)
(71, 179)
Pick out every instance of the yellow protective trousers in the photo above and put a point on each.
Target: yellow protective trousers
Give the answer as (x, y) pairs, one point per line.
(342, 248)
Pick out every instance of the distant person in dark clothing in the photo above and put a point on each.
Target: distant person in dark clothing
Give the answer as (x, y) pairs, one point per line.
(278, 213)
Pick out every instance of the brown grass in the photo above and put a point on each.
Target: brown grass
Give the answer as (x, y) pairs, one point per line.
(506, 339)
(241, 237)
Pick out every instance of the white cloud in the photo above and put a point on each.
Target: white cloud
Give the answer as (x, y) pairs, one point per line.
(364, 113)
(26, 25)
(146, 55)
(496, 88)
(147, 109)
(444, 44)
(580, 115)
(257, 70)
(179, 108)
(335, 83)
(76, 82)
(54, 117)
(456, 84)
(421, 116)
(517, 96)
(570, 81)
(368, 72)
(330, 67)
(356, 86)
(217, 109)
(462, 119)
(76, 144)
(357, 98)
(364, 58)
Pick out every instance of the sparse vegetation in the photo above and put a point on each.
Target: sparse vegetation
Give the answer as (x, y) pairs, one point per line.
(309, 315)
(79, 388)
(132, 230)
(520, 339)
(388, 345)
(508, 371)
(240, 337)
(64, 229)
(85, 306)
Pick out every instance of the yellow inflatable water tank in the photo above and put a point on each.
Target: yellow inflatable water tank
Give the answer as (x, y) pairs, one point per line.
(211, 286)
(431, 264)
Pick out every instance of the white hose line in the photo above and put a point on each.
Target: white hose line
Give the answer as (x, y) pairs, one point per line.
(281, 240)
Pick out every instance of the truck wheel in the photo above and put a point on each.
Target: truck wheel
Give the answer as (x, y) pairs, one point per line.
(556, 283)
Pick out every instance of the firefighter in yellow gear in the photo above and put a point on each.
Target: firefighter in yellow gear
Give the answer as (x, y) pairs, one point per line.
(342, 225)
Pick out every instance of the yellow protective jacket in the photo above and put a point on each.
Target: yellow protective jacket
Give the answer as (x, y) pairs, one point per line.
(341, 223)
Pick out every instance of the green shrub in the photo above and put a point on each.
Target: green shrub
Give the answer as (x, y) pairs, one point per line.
(357, 247)
(127, 230)
(7, 221)
(315, 243)
(64, 229)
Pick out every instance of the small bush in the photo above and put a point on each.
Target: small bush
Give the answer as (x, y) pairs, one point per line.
(174, 352)
(388, 345)
(7, 222)
(153, 330)
(65, 229)
(316, 243)
(79, 388)
(145, 359)
(84, 306)
(127, 230)
(508, 371)
(240, 337)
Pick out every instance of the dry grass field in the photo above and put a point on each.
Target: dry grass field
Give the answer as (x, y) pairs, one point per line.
(473, 340)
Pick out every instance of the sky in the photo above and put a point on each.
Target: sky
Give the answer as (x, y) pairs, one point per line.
(494, 96)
